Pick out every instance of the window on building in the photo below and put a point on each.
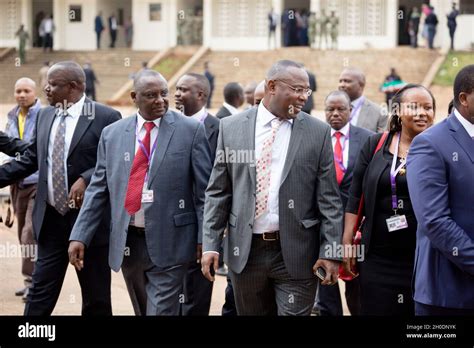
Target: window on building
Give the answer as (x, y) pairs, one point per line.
(466, 7)
(155, 12)
(75, 13)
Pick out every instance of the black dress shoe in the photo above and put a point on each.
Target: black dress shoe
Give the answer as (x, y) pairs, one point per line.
(20, 292)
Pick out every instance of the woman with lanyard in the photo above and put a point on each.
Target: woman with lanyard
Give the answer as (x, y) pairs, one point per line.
(389, 231)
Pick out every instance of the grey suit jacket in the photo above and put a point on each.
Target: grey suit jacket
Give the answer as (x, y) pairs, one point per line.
(310, 207)
(179, 175)
(372, 117)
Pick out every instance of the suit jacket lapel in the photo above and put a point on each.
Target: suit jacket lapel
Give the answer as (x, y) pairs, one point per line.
(249, 138)
(47, 118)
(295, 141)
(83, 124)
(165, 132)
(129, 145)
(461, 136)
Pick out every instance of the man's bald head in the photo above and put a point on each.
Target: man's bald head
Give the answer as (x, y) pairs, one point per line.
(145, 76)
(25, 93)
(201, 82)
(26, 81)
(70, 71)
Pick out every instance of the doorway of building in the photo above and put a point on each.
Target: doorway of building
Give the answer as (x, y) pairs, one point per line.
(122, 11)
(190, 23)
(40, 10)
(405, 12)
(294, 23)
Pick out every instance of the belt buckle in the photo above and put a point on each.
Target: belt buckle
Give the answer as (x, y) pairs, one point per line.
(268, 239)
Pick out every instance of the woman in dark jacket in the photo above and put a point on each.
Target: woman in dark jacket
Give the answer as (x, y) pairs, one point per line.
(388, 234)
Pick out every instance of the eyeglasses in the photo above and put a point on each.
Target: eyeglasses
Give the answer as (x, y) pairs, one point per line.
(298, 91)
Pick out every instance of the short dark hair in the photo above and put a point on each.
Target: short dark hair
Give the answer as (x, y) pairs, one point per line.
(338, 94)
(463, 83)
(202, 82)
(395, 125)
(280, 67)
(232, 92)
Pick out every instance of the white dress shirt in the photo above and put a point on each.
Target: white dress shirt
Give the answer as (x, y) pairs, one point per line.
(231, 109)
(468, 126)
(74, 112)
(113, 23)
(355, 103)
(344, 143)
(48, 26)
(200, 115)
(269, 220)
(138, 220)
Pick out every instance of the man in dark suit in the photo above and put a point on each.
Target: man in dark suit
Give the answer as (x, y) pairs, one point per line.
(274, 185)
(98, 27)
(365, 113)
(64, 150)
(157, 198)
(440, 172)
(113, 27)
(347, 141)
(192, 92)
(11, 146)
(233, 100)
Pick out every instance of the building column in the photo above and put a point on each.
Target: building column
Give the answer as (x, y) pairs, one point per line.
(315, 6)
(26, 19)
(391, 26)
(278, 6)
(207, 14)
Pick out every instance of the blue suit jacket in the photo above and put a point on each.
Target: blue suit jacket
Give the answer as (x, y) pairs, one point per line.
(441, 182)
(179, 173)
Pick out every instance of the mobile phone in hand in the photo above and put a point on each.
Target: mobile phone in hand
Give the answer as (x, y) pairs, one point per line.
(321, 273)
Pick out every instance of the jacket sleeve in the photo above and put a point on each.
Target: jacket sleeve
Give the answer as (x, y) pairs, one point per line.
(328, 200)
(218, 199)
(201, 166)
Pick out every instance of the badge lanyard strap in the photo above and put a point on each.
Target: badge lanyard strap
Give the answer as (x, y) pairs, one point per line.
(340, 160)
(393, 174)
(144, 150)
(356, 109)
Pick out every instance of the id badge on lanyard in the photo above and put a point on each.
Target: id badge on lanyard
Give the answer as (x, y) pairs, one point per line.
(396, 222)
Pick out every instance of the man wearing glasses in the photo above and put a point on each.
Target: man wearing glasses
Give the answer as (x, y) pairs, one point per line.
(281, 203)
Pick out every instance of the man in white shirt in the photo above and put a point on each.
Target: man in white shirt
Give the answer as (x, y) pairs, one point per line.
(191, 96)
(113, 27)
(47, 29)
(365, 113)
(64, 152)
(347, 141)
(233, 100)
(274, 185)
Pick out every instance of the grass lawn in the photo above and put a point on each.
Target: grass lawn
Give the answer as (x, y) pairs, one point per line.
(454, 62)
(170, 65)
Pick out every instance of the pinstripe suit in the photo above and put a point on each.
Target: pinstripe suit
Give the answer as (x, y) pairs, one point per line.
(310, 210)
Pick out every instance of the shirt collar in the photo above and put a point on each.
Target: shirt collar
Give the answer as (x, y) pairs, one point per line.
(200, 114)
(344, 130)
(75, 110)
(141, 121)
(231, 109)
(468, 126)
(264, 117)
(33, 108)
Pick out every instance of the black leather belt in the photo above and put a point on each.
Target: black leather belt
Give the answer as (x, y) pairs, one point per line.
(137, 230)
(268, 236)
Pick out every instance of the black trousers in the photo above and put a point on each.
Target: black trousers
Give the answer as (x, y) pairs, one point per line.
(198, 292)
(228, 309)
(51, 266)
(113, 38)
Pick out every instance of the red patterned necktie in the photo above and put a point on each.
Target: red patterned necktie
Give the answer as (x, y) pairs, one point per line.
(338, 158)
(133, 200)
